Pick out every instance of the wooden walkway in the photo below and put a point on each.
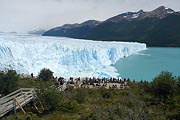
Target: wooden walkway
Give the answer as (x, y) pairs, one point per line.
(16, 99)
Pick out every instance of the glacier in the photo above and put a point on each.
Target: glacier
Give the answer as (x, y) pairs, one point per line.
(66, 57)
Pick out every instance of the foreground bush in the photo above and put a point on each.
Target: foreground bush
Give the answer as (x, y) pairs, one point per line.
(8, 81)
(51, 99)
(164, 85)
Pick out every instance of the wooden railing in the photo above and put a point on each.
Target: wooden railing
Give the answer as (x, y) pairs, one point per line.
(16, 100)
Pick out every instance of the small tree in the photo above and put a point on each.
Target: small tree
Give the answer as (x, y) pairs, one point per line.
(164, 85)
(51, 99)
(45, 74)
(178, 84)
(8, 81)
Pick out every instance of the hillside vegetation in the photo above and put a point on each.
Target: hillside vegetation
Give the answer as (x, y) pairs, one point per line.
(152, 31)
(157, 100)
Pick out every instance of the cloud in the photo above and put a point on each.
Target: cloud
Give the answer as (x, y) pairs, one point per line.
(27, 15)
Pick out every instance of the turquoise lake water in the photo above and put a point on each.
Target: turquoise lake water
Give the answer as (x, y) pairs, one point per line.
(147, 64)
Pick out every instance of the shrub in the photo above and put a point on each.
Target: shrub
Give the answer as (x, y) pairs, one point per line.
(178, 84)
(70, 106)
(80, 95)
(45, 74)
(8, 81)
(51, 99)
(164, 85)
(105, 93)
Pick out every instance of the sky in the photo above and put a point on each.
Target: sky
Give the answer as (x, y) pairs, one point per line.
(28, 15)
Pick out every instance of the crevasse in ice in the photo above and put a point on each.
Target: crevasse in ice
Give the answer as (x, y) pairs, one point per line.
(64, 56)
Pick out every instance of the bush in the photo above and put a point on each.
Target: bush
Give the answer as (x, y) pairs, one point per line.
(80, 95)
(51, 99)
(178, 85)
(70, 106)
(164, 85)
(8, 81)
(45, 74)
(106, 93)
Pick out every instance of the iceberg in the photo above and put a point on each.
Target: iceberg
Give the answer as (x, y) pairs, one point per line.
(64, 56)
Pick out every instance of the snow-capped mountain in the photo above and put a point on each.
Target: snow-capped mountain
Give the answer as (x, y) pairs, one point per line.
(159, 27)
(161, 12)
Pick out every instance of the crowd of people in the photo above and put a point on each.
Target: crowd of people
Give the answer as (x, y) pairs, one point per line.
(88, 82)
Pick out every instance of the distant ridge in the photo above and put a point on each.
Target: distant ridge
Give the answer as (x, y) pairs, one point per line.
(159, 27)
(37, 32)
(74, 30)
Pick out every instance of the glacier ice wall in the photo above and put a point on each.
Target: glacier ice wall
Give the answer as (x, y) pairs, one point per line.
(64, 56)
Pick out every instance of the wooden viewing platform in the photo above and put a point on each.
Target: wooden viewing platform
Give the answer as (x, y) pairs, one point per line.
(16, 100)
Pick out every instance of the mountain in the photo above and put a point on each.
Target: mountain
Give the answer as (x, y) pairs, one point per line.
(37, 32)
(74, 30)
(161, 12)
(159, 27)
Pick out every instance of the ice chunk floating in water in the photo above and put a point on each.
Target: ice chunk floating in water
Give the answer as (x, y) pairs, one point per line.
(64, 56)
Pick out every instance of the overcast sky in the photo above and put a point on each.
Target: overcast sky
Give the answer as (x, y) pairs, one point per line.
(28, 15)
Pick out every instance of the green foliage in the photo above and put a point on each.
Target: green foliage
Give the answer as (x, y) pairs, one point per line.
(54, 100)
(70, 106)
(45, 74)
(139, 101)
(8, 81)
(164, 85)
(105, 93)
(51, 99)
(178, 84)
(80, 95)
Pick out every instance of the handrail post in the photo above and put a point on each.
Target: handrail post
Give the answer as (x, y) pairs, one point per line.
(22, 93)
(14, 105)
(34, 93)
